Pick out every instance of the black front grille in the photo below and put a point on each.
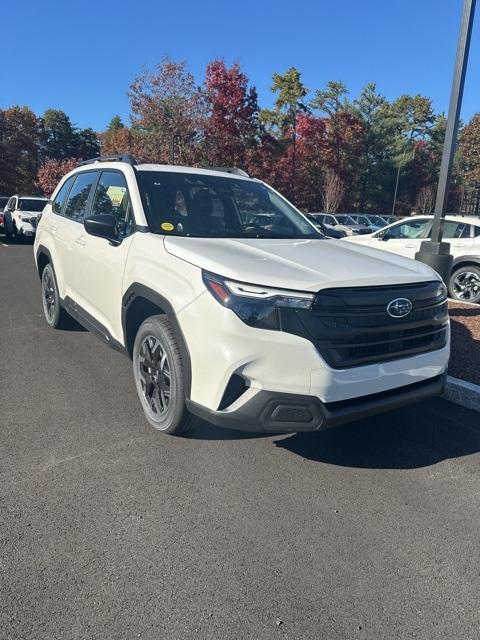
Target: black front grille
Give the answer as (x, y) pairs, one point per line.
(351, 327)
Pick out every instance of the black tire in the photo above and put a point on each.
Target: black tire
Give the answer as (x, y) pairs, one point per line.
(8, 233)
(159, 376)
(464, 284)
(55, 315)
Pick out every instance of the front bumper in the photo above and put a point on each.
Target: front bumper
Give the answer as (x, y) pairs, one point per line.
(26, 229)
(270, 411)
(221, 346)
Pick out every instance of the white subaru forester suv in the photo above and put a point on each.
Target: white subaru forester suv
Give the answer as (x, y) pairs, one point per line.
(231, 304)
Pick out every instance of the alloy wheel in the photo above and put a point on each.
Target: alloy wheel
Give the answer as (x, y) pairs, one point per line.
(155, 377)
(466, 286)
(49, 297)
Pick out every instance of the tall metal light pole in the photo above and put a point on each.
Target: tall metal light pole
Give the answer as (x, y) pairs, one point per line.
(396, 190)
(434, 252)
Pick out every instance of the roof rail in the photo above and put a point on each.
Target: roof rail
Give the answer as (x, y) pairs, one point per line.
(120, 158)
(234, 170)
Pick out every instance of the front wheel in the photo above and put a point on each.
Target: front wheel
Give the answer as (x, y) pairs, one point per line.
(465, 284)
(15, 235)
(8, 233)
(159, 377)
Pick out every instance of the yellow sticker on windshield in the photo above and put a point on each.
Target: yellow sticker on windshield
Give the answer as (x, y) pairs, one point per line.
(167, 226)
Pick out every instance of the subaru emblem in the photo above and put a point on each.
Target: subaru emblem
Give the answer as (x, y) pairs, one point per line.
(399, 308)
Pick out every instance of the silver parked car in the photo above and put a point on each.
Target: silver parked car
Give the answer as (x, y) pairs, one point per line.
(343, 222)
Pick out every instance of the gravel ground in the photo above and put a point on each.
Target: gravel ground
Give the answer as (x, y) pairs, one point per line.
(465, 358)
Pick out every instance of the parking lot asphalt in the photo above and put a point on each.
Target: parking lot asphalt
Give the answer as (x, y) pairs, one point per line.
(110, 530)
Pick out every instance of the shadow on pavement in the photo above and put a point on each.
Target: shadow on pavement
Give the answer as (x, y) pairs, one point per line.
(207, 431)
(72, 325)
(415, 437)
(22, 240)
(466, 312)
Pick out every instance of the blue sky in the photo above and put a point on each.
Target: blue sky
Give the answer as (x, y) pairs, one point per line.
(82, 56)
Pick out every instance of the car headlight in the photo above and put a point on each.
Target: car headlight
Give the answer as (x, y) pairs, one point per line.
(255, 305)
(442, 291)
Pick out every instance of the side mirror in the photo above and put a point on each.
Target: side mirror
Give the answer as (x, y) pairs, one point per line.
(103, 226)
(383, 235)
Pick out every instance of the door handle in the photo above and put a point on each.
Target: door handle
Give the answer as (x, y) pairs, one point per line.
(81, 240)
(410, 246)
(53, 227)
(458, 244)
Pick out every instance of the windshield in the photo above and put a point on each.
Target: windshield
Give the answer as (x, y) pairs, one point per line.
(346, 220)
(28, 204)
(205, 206)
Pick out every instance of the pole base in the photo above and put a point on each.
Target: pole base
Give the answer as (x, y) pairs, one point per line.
(436, 255)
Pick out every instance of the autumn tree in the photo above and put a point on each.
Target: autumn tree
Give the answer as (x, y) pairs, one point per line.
(469, 156)
(332, 101)
(311, 150)
(19, 150)
(116, 139)
(165, 103)
(232, 125)
(51, 172)
(344, 136)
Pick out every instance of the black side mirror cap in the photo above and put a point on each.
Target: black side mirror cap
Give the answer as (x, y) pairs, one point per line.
(105, 226)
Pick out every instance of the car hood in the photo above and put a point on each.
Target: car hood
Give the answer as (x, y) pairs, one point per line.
(304, 265)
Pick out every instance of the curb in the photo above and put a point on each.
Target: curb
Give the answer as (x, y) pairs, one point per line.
(463, 393)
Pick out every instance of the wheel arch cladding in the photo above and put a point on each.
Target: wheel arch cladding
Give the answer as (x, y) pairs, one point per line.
(466, 261)
(139, 303)
(43, 258)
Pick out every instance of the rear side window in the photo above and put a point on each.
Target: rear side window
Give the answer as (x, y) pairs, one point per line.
(456, 230)
(476, 231)
(61, 196)
(79, 195)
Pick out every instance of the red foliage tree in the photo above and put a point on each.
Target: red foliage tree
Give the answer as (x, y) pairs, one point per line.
(117, 142)
(51, 172)
(311, 149)
(232, 126)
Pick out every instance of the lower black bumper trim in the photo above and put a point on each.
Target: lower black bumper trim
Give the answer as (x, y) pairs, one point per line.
(261, 413)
